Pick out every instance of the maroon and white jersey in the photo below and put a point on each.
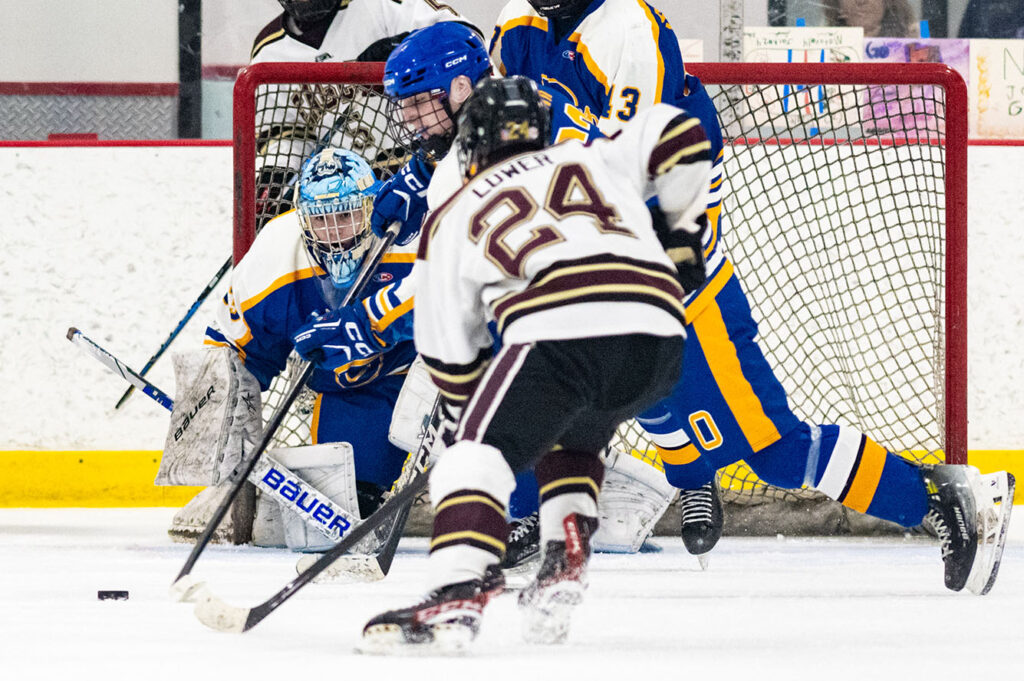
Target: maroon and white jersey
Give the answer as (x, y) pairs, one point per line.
(558, 244)
(357, 26)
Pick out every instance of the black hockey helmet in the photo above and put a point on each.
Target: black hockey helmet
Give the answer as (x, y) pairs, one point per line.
(560, 9)
(503, 117)
(306, 12)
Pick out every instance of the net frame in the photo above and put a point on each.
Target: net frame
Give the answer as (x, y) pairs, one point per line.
(729, 77)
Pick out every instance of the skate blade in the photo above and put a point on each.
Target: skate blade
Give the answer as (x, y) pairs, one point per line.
(449, 641)
(345, 570)
(547, 621)
(704, 560)
(993, 524)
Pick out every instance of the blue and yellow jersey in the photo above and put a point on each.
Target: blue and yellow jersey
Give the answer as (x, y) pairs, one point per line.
(275, 289)
(620, 58)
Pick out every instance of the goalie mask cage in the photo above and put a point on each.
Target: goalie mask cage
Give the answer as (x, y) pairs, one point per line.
(844, 213)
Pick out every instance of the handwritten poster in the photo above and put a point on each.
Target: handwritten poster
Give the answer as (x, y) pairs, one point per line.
(906, 110)
(997, 89)
(809, 108)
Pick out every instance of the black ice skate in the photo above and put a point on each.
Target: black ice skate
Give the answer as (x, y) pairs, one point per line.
(522, 550)
(701, 520)
(445, 621)
(971, 514)
(548, 601)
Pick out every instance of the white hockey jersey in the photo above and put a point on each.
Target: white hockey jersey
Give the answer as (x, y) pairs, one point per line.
(355, 28)
(558, 244)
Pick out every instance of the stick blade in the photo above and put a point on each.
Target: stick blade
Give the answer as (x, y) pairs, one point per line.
(185, 588)
(218, 615)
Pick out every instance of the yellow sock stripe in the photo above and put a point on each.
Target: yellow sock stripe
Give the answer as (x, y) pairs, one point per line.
(468, 534)
(470, 499)
(581, 480)
(866, 477)
(688, 453)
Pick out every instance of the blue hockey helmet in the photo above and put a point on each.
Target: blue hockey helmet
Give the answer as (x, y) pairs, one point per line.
(335, 199)
(418, 78)
(430, 58)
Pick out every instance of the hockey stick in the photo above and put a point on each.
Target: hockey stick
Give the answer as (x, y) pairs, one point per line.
(216, 614)
(241, 473)
(119, 368)
(267, 471)
(181, 324)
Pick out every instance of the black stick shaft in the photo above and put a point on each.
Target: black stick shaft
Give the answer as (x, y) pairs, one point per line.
(181, 325)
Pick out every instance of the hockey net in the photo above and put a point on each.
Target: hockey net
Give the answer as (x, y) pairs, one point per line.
(844, 214)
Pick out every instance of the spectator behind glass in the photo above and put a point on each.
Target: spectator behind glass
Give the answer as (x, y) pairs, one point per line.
(880, 18)
(993, 19)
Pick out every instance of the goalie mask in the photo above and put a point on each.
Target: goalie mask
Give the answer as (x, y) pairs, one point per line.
(336, 190)
(560, 9)
(306, 12)
(418, 78)
(502, 118)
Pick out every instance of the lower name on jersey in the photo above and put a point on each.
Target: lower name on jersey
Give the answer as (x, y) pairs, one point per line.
(497, 177)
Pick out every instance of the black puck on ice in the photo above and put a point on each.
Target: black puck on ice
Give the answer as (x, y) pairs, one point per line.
(112, 595)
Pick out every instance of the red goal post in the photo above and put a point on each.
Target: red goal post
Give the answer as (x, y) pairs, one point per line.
(845, 214)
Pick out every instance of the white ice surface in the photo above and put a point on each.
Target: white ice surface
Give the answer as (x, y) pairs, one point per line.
(767, 608)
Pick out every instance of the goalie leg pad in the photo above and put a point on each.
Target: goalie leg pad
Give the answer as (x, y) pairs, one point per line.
(326, 468)
(633, 498)
(413, 408)
(216, 414)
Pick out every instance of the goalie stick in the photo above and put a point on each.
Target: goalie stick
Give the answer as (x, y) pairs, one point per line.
(337, 520)
(218, 615)
(177, 329)
(241, 473)
(118, 367)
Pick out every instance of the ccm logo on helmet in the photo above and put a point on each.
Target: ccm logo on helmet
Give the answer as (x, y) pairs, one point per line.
(457, 60)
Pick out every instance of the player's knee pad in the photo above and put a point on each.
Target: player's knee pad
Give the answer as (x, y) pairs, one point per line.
(471, 465)
(786, 462)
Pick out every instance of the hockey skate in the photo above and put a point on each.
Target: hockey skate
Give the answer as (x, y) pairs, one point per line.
(548, 601)
(446, 621)
(701, 520)
(522, 550)
(971, 514)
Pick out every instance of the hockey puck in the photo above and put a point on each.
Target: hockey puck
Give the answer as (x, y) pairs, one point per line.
(112, 595)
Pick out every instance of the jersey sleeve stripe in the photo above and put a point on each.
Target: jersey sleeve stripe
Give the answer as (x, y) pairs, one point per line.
(395, 313)
(680, 144)
(690, 154)
(399, 258)
(457, 381)
(278, 283)
(590, 62)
